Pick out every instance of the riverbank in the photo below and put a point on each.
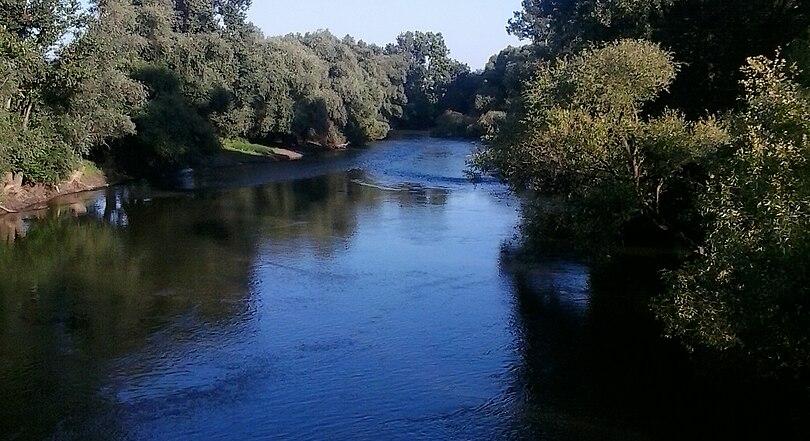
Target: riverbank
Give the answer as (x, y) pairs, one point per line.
(138, 294)
(16, 196)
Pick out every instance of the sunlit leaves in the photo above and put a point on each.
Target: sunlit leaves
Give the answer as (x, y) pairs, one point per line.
(583, 134)
(748, 289)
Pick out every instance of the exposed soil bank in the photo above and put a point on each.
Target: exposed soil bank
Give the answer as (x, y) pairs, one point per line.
(16, 197)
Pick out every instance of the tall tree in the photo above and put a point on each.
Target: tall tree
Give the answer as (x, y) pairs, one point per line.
(430, 71)
(712, 38)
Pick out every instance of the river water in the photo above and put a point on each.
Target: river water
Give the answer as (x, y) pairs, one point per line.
(367, 295)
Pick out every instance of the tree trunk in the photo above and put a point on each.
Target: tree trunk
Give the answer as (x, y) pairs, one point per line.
(27, 116)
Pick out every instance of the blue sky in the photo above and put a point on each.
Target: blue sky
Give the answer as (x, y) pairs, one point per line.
(473, 29)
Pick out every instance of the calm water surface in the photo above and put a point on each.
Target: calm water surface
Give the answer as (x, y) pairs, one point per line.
(364, 296)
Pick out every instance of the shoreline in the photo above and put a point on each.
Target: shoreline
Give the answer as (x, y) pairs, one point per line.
(16, 197)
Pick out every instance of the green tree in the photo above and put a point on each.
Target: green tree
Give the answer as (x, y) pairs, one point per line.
(747, 290)
(711, 37)
(583, 134)
(170, 130)
(91, 84)
(430, 71)
(32, 33)
(503, 78)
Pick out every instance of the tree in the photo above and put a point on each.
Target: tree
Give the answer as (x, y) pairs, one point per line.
(503, 78)
(748, 289)
(583, 134)
(711, 37)
(91, 84)
(430, 71)
(31, 34)
(565, 26)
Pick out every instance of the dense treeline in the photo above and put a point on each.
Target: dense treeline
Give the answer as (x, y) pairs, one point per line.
(155, 84)
(689, 118)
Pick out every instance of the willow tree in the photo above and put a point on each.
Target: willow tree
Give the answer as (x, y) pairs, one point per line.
(583, 134)
(747, 290)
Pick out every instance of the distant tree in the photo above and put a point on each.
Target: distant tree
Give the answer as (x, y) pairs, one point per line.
(430, 72)
(503, 78)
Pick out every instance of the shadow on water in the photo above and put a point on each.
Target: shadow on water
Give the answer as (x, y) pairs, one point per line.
(107, 273)
(596, 367)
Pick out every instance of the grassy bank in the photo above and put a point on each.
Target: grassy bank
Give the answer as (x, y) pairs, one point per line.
(16, 196)
(248, 148)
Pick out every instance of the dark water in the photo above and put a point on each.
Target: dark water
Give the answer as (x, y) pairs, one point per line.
(364, 296)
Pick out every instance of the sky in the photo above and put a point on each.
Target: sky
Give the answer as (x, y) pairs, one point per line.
(474, 29)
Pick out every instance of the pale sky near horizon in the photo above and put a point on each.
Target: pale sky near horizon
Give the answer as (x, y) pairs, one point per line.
(474, 29)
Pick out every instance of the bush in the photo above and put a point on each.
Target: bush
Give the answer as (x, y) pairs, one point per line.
(489, 123)
(748, 289)
(38, 153)
(453, 124)
(583, 134)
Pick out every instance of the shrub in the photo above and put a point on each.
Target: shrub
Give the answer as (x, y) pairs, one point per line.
(748, 289)
(38, 153)
(489, 123)
(583, 134)
(453, 124)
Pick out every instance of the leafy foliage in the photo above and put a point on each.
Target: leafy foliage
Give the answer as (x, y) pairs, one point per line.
(748, 290)
(503, 78)
(595, 130)
(38, 153)
(157, 83)
(583, 135)
(33, 142)
(429, 75)
(712, 37)
(454, 124)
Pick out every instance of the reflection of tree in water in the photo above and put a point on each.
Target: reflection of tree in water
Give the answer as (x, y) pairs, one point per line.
(12, 226)
(318, 212)
(78, 290)
(600, 369)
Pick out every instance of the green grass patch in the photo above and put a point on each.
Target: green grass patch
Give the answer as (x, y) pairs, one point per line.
(90, 168)
(248, 148)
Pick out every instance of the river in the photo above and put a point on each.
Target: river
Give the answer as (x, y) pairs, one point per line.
(365, 295)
